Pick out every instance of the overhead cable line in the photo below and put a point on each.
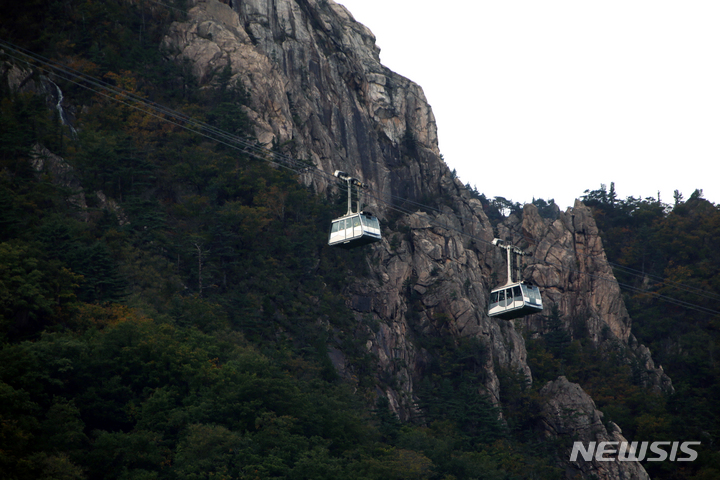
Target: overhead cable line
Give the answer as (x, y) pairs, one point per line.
(184, 121)
(158, 111)
(673, 300)
(611, 279)
(316, 171)
(259, 151)
(662, 281)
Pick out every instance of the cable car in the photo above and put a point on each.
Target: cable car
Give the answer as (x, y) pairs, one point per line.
(354, 229)
(514, 299)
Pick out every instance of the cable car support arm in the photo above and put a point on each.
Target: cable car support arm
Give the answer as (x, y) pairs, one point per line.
(350, 182)
(513, 268)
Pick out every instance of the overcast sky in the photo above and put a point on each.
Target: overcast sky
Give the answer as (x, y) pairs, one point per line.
(549, 98)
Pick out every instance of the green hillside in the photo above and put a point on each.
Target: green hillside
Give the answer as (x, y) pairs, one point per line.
(667, 257)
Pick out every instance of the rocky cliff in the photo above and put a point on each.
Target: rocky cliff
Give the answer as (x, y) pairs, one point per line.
(571, 413)
(318, 92)
(317, 89)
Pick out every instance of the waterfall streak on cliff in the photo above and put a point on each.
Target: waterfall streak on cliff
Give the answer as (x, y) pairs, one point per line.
(158, 111)
(61, 110)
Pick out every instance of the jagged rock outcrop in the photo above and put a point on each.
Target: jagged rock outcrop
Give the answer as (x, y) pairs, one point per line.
(19, 78)
(567, 258)
(44, 162)
(653, 376)
(318, 91)
(59, 172)
(568, 262)
(570, 415)
(27, 80)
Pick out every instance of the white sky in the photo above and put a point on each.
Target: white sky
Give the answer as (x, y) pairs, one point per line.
(549, 98)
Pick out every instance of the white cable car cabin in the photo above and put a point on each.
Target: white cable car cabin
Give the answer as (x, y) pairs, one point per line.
(514, 299)
(354, 229)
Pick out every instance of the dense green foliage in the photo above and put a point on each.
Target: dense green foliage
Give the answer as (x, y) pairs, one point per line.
(667, 260)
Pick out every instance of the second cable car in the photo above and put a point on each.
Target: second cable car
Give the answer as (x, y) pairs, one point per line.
(514, 299)
(354, 229)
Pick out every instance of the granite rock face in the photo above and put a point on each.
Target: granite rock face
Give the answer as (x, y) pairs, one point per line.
(317, 90)
(60, 173)
(568, 263)
(570, 413)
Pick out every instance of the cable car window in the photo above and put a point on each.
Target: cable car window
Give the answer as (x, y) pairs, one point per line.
(533, 293)
(517, 294)
(335, 227)
(370, 224)
(494, 297)
(356, 221)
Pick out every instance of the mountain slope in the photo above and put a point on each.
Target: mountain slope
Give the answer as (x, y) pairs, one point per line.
(197, 235)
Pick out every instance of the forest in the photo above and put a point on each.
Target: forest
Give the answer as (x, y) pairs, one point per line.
(667, 259)
(182, 330)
